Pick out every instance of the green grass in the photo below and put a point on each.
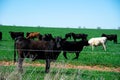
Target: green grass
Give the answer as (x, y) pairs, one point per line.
(87, 57)
(37, 73)
(110, 58)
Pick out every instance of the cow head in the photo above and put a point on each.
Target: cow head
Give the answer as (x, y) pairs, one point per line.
(58, 42)
(103, 35)
(85, 42)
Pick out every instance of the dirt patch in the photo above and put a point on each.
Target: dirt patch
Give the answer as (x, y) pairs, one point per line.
(66, 66)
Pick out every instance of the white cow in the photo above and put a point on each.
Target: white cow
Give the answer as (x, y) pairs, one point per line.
(98, 41)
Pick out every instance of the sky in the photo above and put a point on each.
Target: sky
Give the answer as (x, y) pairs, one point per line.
(61, 13)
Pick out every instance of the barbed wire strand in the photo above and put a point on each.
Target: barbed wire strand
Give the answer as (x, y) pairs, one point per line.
(9, 49)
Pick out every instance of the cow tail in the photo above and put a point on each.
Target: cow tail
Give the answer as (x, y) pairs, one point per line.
(14, 52)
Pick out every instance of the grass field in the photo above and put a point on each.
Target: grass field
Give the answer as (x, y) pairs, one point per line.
(37, 73)
(110, 58)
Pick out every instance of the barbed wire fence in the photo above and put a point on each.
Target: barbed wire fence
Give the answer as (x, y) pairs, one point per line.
(77, 72)
(10, 49)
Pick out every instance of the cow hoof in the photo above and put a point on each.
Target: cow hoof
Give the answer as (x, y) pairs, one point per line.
(66, 58)
(46, 71)
(75, 58)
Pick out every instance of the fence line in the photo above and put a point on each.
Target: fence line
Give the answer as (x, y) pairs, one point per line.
(9, 49)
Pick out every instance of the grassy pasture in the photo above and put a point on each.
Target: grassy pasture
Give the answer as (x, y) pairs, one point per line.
(37, 73)
(110, 58)
(87, 57)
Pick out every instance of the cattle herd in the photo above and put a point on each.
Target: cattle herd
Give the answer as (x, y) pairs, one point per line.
(48, 48)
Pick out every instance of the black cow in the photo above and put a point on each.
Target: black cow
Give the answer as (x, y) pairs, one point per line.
(0, 35)
(79, 36)
(68, 35)
(16, 34)
(111, 37)
(46, 50)
(27, 34)
(47, 37)
(73, 47)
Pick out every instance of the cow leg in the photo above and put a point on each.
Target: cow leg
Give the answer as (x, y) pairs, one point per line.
(92, 48)
(74, 39)
(115, 41)
(104, 47)
(47, 65)
(20, 62)
(64, 54)
(33, 56)
(77, 55)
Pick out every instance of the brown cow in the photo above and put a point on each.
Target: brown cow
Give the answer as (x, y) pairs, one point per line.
(33, 35)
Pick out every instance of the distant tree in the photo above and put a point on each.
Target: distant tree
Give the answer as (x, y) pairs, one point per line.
(38, 26)
(98, 27)
(84, 27)
(79, 27)
(119, 28)
(14, 25)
